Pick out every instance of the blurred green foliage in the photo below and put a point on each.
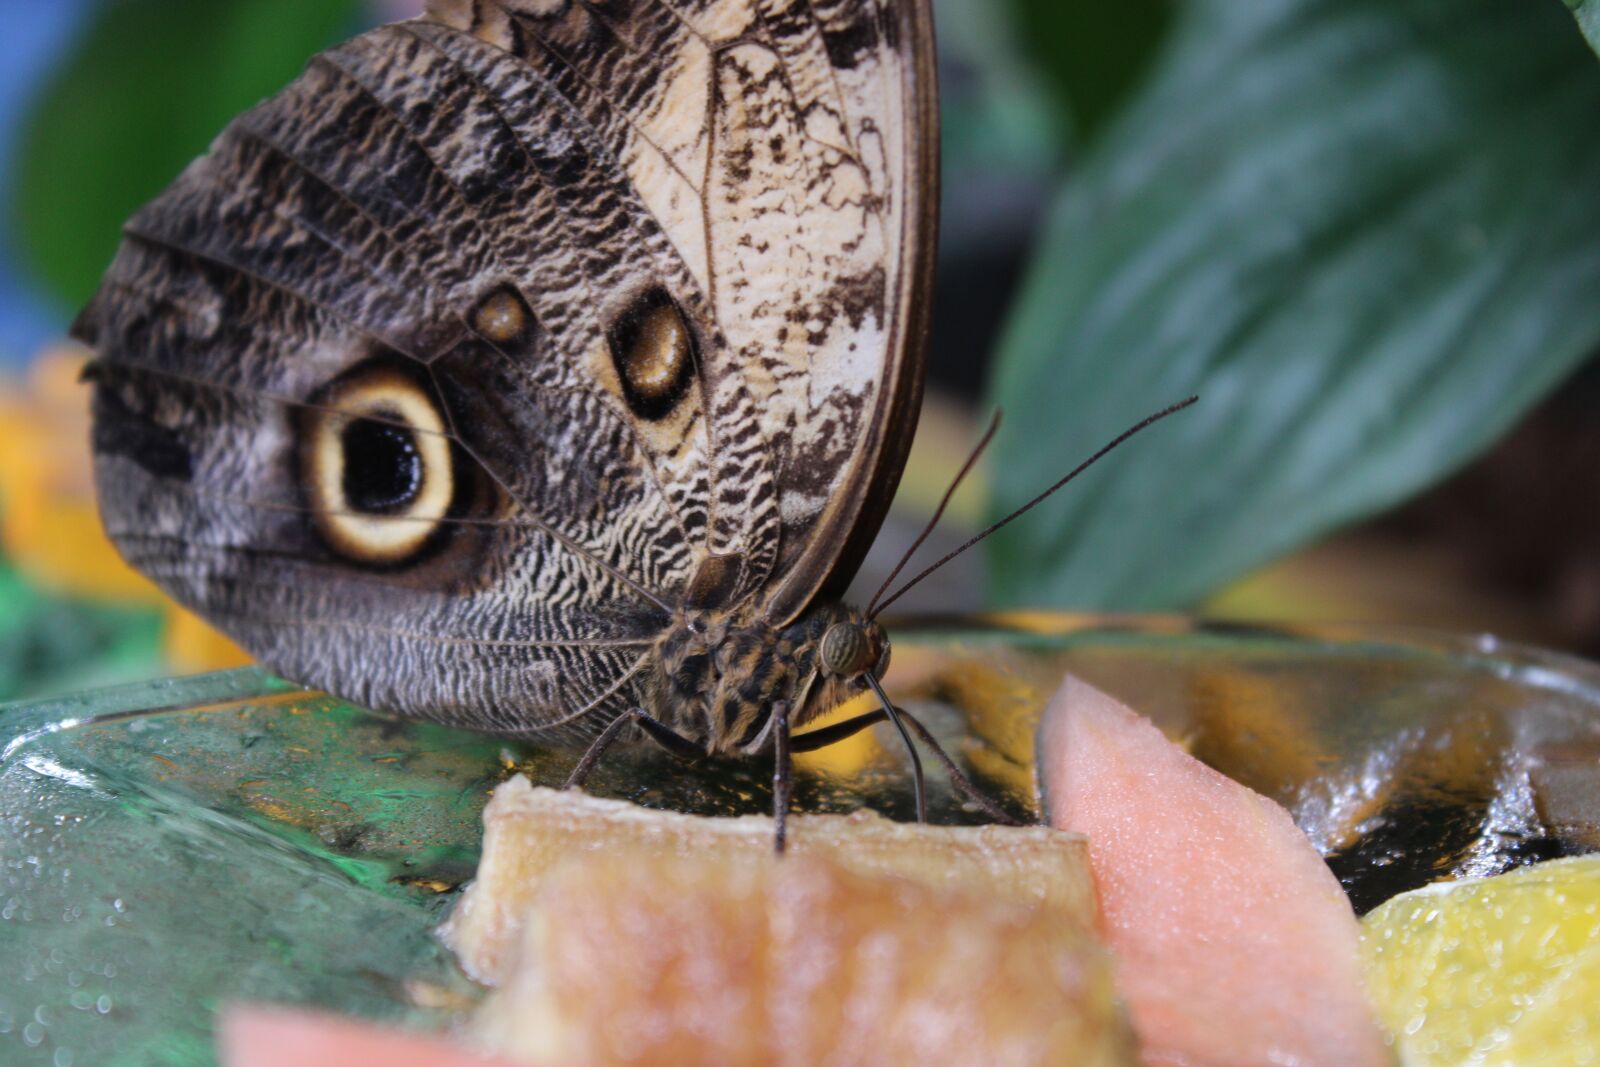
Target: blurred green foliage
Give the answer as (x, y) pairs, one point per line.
(144, 93)
(1365, 232)
(996, 110)
(52, 644)
(1587, 13)
(1094, 54)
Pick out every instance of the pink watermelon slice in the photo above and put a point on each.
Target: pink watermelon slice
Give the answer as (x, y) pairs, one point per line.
(277, 1037)
(1234, 945)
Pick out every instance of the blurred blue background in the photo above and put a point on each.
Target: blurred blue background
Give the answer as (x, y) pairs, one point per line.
(36, 35)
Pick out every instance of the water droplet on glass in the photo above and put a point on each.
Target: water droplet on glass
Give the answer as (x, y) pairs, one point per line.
(103, 1005)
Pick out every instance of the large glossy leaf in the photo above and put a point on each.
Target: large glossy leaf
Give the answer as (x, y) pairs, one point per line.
(1366, 232)
(1587, 12)
(1093, 53)
(152, 82)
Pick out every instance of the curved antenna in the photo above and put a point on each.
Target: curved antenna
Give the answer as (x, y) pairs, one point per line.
(916, 760)
(1036, 501)
(938, 513)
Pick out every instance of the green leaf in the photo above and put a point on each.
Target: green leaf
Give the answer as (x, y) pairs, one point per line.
(1094, 53)
(51, 644)
(1365, 232)
(1587, 12)
(149, 86)
(996, 113)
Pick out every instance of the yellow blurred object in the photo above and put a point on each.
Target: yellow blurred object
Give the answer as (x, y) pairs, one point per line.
(1492, 972)
(945, 437)
(850, 756)
(193, 647)
(1002, 696)
(50, 529)
(1359, 577)
(49, 526)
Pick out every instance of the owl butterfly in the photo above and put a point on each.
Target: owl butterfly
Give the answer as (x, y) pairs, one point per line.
(541, 366)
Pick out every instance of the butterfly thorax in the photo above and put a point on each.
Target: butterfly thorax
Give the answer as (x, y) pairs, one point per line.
(719, 674)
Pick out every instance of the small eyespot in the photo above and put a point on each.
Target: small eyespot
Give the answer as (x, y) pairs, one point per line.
(502, 316)
(377, 467)
(653, 351)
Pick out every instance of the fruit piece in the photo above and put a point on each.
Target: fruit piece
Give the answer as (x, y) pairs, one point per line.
(641, 955)
(619, 934)
(1566, 789)
(275, 1037)
(527, 831)
(1234, 944)
(1492, 971)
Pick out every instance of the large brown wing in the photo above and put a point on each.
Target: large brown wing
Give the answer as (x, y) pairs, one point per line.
(790, 150)
(472, 244)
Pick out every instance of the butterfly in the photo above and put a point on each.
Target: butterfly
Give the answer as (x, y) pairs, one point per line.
(543, 367)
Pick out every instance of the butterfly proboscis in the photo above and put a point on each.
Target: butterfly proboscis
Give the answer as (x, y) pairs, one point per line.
(859, 651)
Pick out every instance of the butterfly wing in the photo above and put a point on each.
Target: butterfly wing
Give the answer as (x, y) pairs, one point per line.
(438, 383)
(790, 150)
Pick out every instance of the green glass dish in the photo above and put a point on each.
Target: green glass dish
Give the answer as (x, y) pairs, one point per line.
(173, 847)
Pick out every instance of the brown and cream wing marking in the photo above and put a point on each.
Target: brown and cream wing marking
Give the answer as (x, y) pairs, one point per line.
(788, 149)
(461, 365)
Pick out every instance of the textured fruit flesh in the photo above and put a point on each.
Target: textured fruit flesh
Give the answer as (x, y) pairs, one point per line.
(274, 1037)
(1234, 945)
(642, 958)
(529, 832)
(617, 935)
(1501, 972)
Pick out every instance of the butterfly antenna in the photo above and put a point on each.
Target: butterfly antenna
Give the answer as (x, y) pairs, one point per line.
(938, 513)
(1036, 501)
(916, 761)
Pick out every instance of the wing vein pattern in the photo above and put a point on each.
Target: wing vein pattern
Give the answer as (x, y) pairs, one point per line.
(520, 212)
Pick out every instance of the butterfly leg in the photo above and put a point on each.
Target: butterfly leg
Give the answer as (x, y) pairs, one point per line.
(963, 784)
(657, 731)
(782, 775)
(812, 740)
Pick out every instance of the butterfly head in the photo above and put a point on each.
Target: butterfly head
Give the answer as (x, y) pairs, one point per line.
(852, 647)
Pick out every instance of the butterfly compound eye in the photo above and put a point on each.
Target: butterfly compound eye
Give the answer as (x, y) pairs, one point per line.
(377, 467)
(846, 650)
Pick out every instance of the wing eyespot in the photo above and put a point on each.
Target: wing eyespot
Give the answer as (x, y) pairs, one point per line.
(503, 316)
(377, 467)
(653, 350)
